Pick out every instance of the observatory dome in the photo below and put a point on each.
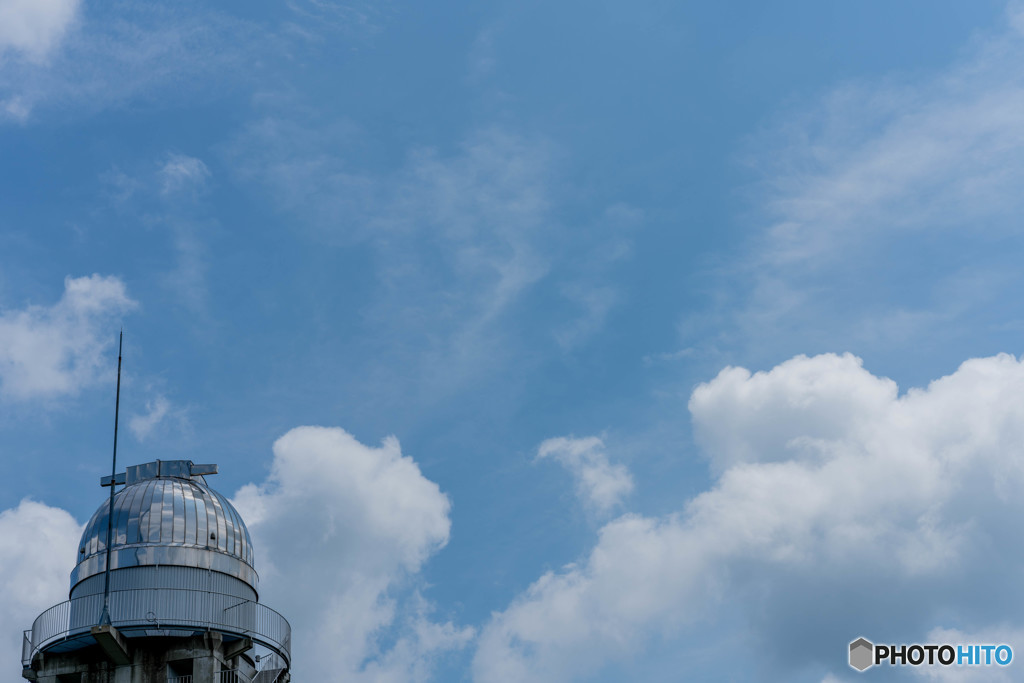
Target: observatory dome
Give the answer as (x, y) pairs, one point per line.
(180, 577)
(167, 516)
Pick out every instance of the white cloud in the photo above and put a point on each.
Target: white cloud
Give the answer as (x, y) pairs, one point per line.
(740, 417)
(880, 511)
(182, 173)
(33, 576)
(47, 352)
(142, 425)
(600, 485)
(159, 411)
(34, 28)
(339, 528)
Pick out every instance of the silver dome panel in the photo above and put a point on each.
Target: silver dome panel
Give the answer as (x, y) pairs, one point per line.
(168, 520)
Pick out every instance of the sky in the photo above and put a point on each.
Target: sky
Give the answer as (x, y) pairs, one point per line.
(580, 341)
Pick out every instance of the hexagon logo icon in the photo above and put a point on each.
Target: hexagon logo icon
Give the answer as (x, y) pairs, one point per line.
(862, 654)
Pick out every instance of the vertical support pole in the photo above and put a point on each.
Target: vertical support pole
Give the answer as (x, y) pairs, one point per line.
(105, 615)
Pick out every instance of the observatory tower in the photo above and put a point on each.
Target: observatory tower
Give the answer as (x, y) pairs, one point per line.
(179, 602)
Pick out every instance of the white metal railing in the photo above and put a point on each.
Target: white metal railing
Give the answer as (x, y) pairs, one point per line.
(157, 608)
(231, 676)
(271, 667)
(179, 679)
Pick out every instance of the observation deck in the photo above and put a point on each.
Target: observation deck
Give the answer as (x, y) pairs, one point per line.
(144, 612)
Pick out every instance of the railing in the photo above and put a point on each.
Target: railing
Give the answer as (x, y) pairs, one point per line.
(268, 676)
(179, 679)
(231, 676)
(161, 608)
(270, 668)
(271, 661)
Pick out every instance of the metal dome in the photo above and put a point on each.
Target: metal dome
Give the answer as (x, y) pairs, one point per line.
(181, 565)
(166, 515)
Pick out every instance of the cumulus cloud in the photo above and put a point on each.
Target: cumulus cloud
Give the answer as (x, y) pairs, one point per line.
(34, 27)
(32, 575)
(339, 529)
(47, 352)
(600, 485)
(743, 417)
(882, 512)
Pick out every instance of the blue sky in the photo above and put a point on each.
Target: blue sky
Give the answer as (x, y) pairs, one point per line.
(587, 341)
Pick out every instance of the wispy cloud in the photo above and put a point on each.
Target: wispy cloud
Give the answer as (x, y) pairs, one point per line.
(319, 20)
(124, 51)
(877, 201)
(182, 173)
(168, 195)
(159, 413)
(460, 237)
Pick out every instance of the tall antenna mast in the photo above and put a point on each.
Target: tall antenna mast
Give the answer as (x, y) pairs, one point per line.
(105, 616)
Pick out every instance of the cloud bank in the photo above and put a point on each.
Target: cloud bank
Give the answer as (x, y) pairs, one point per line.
(883, 513)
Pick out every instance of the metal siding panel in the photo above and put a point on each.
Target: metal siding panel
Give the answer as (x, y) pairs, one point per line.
(124, 513)
(211, 520)
(188, 495)
(202, 526)
(101, 535)
(235, 536)
(229, 524)
(178, 533)
(167, 512)
(146, 511)
(89, 536)
(219, 519)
